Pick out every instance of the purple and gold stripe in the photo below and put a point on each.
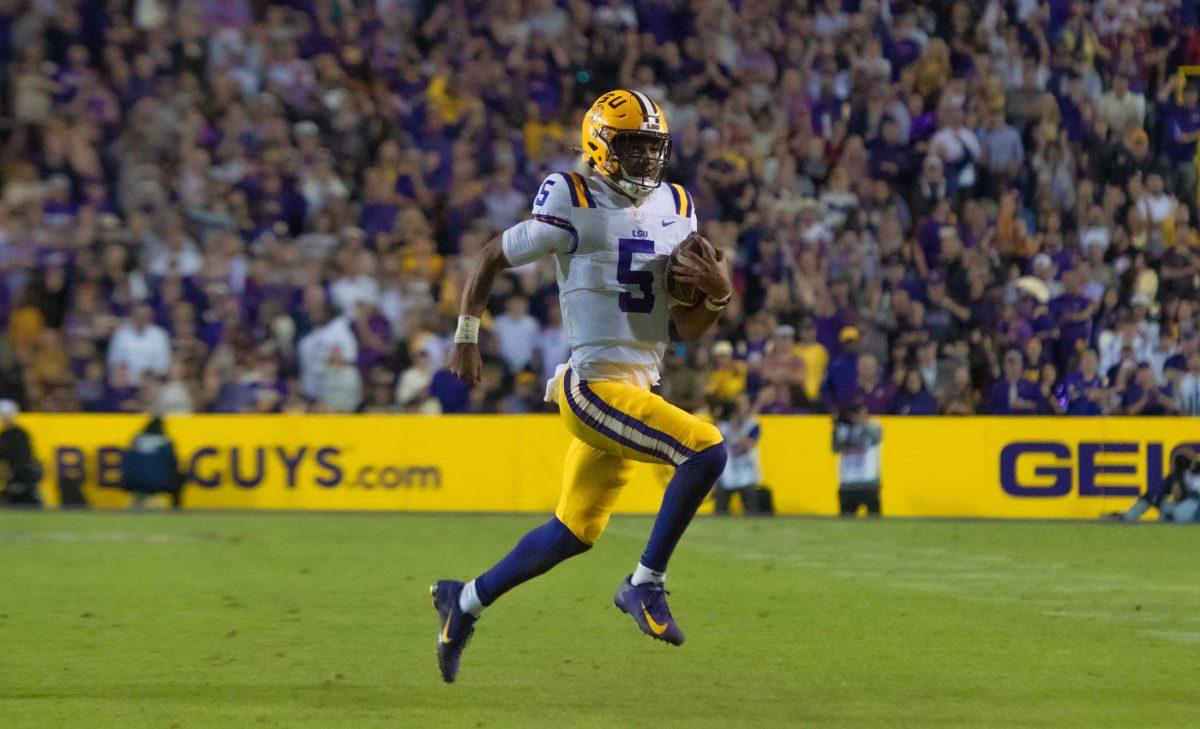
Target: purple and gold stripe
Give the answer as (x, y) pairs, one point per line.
(650, 110)
(628, 431)
(571, 188)
(581, 197)
(587, 420)
(560, 223)
(573, 401)
(587, 194)
(683, 200)
(632, 422)
(641, 99)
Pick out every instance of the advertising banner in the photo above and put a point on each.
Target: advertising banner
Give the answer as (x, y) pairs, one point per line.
(986, 467)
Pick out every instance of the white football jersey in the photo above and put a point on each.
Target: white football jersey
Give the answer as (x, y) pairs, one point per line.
(611, 260)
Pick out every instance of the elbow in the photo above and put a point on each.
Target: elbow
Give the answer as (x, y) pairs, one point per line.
(492, 256)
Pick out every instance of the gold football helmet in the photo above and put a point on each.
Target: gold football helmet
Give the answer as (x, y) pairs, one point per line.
(625, 139)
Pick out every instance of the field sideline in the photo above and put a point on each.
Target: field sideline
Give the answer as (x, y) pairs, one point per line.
(323, 620)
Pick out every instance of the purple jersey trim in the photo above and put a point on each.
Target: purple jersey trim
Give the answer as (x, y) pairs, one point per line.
(563, 224)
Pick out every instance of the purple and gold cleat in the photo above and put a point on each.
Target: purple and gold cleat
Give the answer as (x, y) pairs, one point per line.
(647, 605)
(455, 627)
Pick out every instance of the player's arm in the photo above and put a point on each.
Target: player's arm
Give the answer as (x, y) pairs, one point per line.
(693, 321)
(464, 360)
(548, 232)
(709, 273)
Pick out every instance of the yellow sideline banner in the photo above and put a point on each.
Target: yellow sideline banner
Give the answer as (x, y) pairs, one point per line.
(1018, 467)
(981, 466)
(403, 462)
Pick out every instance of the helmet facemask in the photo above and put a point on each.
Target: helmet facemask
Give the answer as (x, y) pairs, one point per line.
(640, 157)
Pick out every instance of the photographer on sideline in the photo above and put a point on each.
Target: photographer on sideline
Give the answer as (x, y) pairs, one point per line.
(1178, 496)
(22, 471)
(743, 472)
(150, 466)
(856, 440)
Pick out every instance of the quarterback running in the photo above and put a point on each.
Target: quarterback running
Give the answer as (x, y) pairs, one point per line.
(613, 234)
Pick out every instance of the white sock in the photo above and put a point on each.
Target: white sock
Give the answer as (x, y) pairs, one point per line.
(468, 600)
(644, 574)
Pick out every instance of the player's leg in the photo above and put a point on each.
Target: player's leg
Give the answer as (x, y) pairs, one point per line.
(643, 426)
(592, 479)
(646, 427)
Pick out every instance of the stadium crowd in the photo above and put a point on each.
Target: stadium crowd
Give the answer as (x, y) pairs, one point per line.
(942, 207)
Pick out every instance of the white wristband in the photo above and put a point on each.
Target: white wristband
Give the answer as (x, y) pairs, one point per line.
(468, 330)
(716, 305)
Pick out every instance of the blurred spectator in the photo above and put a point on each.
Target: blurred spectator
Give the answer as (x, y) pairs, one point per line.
(451, 394)
(1120, 106)
(743, 471)
(957, 397)
(551, 344)
(856, 440)
(150, 466)
(872, 390)
(1177, 496)
(325, 356)
(914, 398)
(140, 345)
(727, 379)
(1085, 388)
(412, 389)
(841, 378)
(1143, 396)
(516, 333)
(341, 385)
(525, 398)
(1187, 390)
(1013, 394)
(815, 357)
(885, 177)
(22, 470)
(174, 396)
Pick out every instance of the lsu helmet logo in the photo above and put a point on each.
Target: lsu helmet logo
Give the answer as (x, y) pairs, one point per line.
(625, 139)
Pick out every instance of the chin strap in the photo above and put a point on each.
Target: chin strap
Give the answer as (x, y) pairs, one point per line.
(633, 190)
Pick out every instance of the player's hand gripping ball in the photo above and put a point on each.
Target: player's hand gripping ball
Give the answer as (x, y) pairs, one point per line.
(686, 291)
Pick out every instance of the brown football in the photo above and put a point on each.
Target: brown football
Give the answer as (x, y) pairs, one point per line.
(687, 294)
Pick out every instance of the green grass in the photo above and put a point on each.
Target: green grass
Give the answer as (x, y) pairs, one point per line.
(322, 620)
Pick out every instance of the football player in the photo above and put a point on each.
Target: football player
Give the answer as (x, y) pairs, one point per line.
(610, 233)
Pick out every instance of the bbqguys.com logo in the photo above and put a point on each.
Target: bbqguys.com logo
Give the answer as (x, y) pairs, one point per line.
(248, 467)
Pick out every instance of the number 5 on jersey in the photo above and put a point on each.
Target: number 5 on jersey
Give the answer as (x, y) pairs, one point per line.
(644, 280)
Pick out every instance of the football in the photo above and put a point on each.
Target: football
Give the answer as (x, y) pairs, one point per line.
(686, 294)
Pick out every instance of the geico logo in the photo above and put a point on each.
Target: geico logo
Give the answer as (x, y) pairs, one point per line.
(248, 467)
(1056, 467)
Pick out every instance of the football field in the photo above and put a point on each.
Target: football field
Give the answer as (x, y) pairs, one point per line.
(324, 620)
